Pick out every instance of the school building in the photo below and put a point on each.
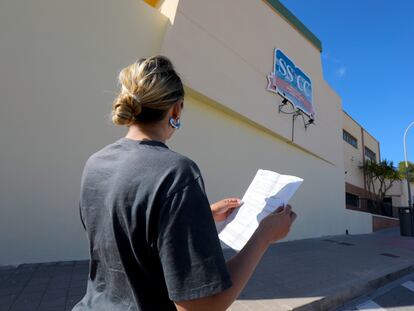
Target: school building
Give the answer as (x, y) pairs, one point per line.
(255, 98)
(361, 146)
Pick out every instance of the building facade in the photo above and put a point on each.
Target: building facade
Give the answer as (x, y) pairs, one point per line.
(361, 146)
(58, 78)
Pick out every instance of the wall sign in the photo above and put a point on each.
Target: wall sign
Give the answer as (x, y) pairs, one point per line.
(291, 83)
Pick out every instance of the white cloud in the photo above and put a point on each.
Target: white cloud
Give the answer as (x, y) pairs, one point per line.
(341, 72)
(334, 64)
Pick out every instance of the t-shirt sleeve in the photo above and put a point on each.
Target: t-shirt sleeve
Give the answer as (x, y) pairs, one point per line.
(188, 245)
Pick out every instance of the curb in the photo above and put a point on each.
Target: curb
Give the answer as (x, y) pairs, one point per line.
(337, 300)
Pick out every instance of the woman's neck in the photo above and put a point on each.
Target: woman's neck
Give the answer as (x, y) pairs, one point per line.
(147, 132)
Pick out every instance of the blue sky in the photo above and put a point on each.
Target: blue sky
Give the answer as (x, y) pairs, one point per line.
(368, 59)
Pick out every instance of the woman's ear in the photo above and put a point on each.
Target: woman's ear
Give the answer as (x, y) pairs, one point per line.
(176, 111)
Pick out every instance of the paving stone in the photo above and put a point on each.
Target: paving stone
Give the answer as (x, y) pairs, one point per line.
(239, 306)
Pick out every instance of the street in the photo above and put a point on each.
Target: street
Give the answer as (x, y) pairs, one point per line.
(396, 296)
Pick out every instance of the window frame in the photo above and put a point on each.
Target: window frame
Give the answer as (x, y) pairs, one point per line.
(350, 139)
(354, 199)
(369, 153)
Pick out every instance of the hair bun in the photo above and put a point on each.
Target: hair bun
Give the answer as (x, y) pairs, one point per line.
(149, 88)
(125, 108)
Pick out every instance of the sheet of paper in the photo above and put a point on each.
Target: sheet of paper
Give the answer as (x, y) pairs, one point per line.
(266, 193)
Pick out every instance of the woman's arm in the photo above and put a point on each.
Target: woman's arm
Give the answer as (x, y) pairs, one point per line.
(273, 228)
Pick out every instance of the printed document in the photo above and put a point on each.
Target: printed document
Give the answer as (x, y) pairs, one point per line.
(266, 193)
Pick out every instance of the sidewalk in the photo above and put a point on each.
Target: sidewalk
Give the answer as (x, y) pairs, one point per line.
(323, 273)
(312, 274)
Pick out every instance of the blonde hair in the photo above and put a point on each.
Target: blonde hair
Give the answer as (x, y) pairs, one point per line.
(149, 87)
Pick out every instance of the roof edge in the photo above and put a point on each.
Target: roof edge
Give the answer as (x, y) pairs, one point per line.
(357, 123)
(295, 22)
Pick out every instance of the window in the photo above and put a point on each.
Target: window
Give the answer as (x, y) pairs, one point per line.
(350, 139)
(352, 200)
(370, 155)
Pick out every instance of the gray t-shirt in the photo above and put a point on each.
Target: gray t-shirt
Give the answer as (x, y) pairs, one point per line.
(151, 232)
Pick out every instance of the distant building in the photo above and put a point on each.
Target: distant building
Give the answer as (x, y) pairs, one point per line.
(361, 146)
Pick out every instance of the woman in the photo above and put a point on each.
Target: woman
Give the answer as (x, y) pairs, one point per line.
(153, 243)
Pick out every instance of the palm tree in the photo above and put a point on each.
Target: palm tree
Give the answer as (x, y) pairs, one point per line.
(379, 179)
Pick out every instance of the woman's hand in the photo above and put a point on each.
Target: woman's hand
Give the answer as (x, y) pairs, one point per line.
(277, 225)
(223, 208)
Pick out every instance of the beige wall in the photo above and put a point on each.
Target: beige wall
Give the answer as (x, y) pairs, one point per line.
(371, 143)
(58, 66)
(399, 193)
(404, 197)
(353, 156)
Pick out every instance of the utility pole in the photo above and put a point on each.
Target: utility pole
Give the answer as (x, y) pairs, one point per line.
(410, 204)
